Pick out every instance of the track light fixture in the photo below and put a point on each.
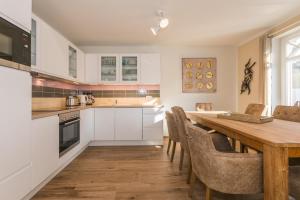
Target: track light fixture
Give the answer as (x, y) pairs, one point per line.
(163, 23)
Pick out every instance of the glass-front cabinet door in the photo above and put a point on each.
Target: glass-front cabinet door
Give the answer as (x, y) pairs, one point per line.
(109, 68)
(129, 68)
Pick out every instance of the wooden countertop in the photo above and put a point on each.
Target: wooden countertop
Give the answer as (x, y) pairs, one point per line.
(14, 65)
(37, 114)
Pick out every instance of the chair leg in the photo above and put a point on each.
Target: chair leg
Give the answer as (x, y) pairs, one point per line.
(181, 158)
(173, 151)
(189, 173)
(233, 143)
(242, 148)
(208, 193)
(192, 185)
(169, 144)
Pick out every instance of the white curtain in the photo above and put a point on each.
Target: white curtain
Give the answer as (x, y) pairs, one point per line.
(267, 72)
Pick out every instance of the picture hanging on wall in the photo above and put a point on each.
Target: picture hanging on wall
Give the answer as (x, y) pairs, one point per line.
(199, 75)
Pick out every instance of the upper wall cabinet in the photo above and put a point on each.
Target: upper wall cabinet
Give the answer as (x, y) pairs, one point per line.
(17, 12)
(51, 50)
(91, 68)
(123, 68)
(80, 66)
(53, 54)
(130, 68)
(150, 68)
(109, 68)
(72, 64)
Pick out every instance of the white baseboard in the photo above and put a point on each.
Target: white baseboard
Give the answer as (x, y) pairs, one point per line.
(125, 143)
(51, 176)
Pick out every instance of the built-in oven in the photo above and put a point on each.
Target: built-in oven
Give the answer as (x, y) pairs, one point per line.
(15, 43)
(69, 131)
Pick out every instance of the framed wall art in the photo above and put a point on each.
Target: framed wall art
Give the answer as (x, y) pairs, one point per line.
(199, 75)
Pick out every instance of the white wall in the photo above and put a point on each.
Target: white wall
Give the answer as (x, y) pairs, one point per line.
(223, 99)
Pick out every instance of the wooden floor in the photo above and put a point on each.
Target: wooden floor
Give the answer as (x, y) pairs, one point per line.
(119, 173)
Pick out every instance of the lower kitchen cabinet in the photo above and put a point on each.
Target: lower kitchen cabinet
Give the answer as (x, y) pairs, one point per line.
(153, 124)
(104, 124)
(129, 126)
(86, 126)
(128, 123)
(45, 148)
(15, 143)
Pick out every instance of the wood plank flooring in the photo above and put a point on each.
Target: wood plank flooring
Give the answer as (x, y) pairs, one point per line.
(119, 173)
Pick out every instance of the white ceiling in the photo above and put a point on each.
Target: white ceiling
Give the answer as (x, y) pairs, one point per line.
(192, 22)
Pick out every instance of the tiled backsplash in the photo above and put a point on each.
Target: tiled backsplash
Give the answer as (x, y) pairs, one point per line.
(48, 88)
(40, 91)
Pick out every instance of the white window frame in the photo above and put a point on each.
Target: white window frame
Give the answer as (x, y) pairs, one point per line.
(286, 70)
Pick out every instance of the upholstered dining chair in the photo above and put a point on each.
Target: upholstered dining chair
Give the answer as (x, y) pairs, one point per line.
(288, 113)
(231, 173)
(173, 133)
(180, 118)
(255, 109)
(204, 106)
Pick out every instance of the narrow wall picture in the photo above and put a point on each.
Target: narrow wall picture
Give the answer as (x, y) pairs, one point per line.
(199, 75)
(248, 77)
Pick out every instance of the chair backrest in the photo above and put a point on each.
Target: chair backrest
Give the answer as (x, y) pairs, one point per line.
(297, 103)
(288, 113)
(255, 109)
(180, 118)
(203, 106)
(172, 128)
(232, 173)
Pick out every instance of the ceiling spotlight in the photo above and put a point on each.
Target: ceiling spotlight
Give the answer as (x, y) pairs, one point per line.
(155, 30)
(164, 22)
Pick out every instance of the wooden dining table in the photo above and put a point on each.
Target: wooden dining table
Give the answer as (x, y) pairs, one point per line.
(278, 140)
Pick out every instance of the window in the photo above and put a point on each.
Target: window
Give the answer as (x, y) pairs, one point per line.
(292, 69)
(72, 62)
(33, 42)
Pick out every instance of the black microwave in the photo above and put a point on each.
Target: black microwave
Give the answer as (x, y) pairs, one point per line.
(15, 43)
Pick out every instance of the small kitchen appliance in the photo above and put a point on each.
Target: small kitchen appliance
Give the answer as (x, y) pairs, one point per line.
(15, 43)
(82, 99)
(72, 101)
(90, 99)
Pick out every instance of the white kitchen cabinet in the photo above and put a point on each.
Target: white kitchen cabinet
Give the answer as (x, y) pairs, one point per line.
(37, 24)
(129, 68)
(150, 68)
(53, 51)
(128, 123)
(80, 66)
(109, 68)
(17, 12)
(45, 148)
(86, 126)
(104, 124)
(15, 123)
(91, 68)
(153, 124)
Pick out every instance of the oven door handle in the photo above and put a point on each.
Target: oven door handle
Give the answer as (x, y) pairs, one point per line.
(71, 122)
